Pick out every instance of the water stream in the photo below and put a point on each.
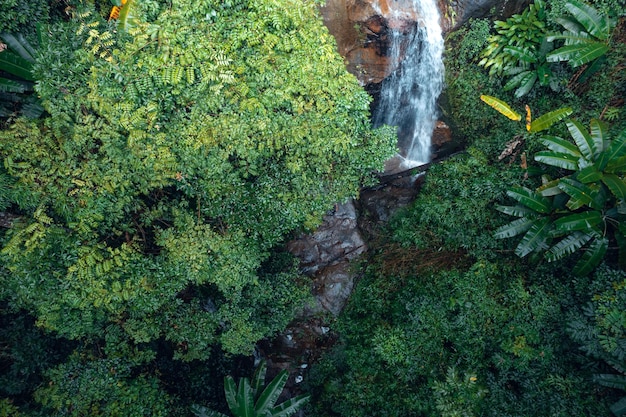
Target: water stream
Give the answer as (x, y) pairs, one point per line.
(409, 96)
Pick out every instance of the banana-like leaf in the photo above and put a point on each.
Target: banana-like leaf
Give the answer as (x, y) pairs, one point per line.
(583, 139)
(616, 185)
(526, 84)
(126, 19)
(559, 160)
(202, 411)
(530, 199)
(231, 393)
(516, 80)
(289, 407)
(16, 65)
(536, 238)
(616, 166)
(570, 24)
(579, 221)
(11, 86)
(557, 144)
(514, 228)
(611, 380)
(568, 245)
(617, 148)
(517, 211)
(589, 174)
(599, 134)
(580, 194)
(245, 399)
(550, 188)
(578, 54)
(270, 394)
(258, 378)
(543, 122)
(593, 22)
(502, 107)
(20, 46)
(592, 256)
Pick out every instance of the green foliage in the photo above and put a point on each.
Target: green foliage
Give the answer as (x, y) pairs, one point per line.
(580, 210)
(601, 332)
(16, 91)
(487, 340)
(520, 49)
(587, 35)
(21, 15)
(248, 400)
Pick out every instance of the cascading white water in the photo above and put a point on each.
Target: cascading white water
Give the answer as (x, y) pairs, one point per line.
(408, 97)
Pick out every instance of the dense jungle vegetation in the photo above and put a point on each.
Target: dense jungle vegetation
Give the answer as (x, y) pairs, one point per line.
(156, 160)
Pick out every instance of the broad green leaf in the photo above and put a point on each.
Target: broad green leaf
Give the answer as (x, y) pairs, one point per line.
(16, 65)
(570, 24)
(126, 19)
(611, 380)
(592, 256)
(617, 148)
(619, 407)
(502, 107)
(580, 194)
(20, 46)
(583, 139)
(526, 84)
(514, 228)
(550, 188)
(578, 54)
(258, 379)
(230, 391)
(616, 185)
(568, 245)
(530, 199)
(245, 399)
(517, 211)
(289, 407)
(589, 174)
(560, 145)
(516, 80)
(598, 130)
(617, 165)
(589, 18)
(578, 221)
(11, 86)
(560, 160)
(270, 394)
(544, 121)
(536, 238)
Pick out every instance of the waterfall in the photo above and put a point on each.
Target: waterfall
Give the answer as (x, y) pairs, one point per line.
(408, 97)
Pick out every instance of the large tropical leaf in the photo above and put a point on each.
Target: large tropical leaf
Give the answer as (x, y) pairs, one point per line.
(530, 199)
(589, 174)
(245, 399)
(557, 144)
(522, 54)
(619, 407)
(611, 380)
(536, 238)
(580, 194)
(270, 394)
(616, 185)
(258, 378)
(617, 148)
(514, 228)
(568, 245)
(592, 256)
(517, 211)
(289, 407)
(583, 139)
(526, 84)
(617, 165)
(517, 79)
(11, 86)
(543, 122)
(578, 54)
(550, 188)
(579, 221)
(14, 64)
(126, 19)
(20, 46)
(599, 130)
(502, 107)
(559, 160)
(594, 23)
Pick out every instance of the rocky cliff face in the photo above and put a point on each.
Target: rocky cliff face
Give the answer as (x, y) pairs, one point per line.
(361, 28)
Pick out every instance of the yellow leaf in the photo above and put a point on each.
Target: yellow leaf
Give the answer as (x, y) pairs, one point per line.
(502, 107)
